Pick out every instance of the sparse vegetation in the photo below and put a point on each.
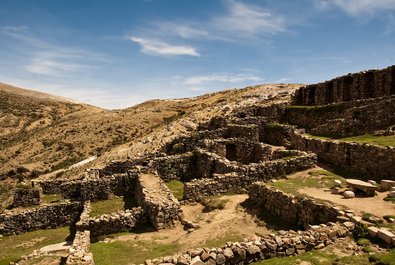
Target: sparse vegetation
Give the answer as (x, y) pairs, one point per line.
(106, 206)
(130, 252)
(213, 203)
(221, 241)
(366, 138)
(177, 187)
(317, 179)
(12, 247)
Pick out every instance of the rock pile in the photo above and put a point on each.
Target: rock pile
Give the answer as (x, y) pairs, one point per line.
(287, 243)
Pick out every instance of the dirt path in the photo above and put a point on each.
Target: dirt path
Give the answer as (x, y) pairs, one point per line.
(374, 205)
(231, 222)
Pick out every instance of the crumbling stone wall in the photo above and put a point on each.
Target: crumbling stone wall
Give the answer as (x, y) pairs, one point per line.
(44, 217)
(24, 197)
(367, 84)
(295, 210)
(265, 247)
(373, 160)
(157, 201)
(235, 182)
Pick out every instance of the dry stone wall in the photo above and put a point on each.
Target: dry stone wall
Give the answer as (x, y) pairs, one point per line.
(92, 189)
(44, 217)
(368, 84)
(235, 182)
(295, 210)
(287, 243)
(115, 222)
(345, 118)
(373, 160)
(24, 197)
(157, 201)
(174, 167)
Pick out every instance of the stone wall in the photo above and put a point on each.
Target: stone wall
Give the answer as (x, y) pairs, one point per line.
(44, 217)
(368, 84)
(116, 222)
(24, 197)
(345, 118)
(285, 244)
(235, 182)
(79, 252)
(157, 201)
(241, 150)
(92, 189)
(373, 160)
(295, 210)
(173, 167)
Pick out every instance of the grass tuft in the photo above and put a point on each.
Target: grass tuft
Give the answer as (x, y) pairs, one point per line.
(177, 187)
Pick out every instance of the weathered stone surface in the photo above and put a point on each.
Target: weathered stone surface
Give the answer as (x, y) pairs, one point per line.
(372, 230)
(385, 235)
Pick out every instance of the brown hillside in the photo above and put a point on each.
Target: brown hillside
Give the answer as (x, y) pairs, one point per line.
(42, 134)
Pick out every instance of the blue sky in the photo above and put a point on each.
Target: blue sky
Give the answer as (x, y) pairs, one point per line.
(114, 54)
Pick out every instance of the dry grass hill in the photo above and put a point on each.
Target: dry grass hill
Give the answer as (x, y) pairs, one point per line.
(42, 135)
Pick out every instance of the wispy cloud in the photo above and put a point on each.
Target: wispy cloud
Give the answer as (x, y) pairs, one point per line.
(358, 7)
(183, 29)
(239, 21)
(249, 20)
(225, 78)
(154, 47)
(46, 58)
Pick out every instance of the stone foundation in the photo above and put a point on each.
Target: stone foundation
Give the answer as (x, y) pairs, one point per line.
(287, 243)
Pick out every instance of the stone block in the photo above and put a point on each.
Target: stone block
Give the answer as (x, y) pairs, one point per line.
(372, 230)
(386, 236)
(386, 185)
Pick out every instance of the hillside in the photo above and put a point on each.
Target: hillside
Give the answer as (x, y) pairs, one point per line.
(42, 133)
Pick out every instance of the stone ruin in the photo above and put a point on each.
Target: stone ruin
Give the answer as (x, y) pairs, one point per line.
(232, 155)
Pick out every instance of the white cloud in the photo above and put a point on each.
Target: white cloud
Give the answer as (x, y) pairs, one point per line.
(46, 58)
(182, 29)
(225, 78)
(154, 47)
(249, 20)
(358, 7)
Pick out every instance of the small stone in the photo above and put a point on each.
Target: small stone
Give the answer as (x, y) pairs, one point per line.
(197, 261)
(348, 194)
(220, 259)
(228, 253)
(349, 225)
(338, 183)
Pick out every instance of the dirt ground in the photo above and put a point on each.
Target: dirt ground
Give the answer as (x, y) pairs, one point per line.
(213, 225)
(374, 205)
